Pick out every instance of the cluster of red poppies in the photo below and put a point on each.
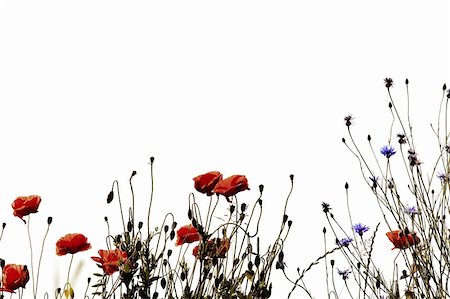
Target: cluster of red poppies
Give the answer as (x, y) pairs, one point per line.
(16, 276)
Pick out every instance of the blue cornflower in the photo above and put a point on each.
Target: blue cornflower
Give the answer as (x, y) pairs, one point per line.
(411, 210)
(387, 151)
(344, 273)
(344, 242)
(360, 228)
(443, 176)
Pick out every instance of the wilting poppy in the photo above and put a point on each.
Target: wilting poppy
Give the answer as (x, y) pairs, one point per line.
(205, 183)
(14, 277)
(214, 248)
(231, 185)
(402, 240)
(25, 205)
(187, 234)
(110, 260)
(72, 243)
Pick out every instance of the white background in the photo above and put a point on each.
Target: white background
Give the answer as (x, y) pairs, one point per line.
(91, 89)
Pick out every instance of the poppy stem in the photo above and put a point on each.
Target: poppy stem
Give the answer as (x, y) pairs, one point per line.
(40, 259)
(31, 255)
(70, 266)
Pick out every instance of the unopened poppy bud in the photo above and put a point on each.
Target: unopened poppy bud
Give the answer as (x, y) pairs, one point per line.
(332, 263)
(289, 223)
(444, 87)
(324, 230)
(106, 219)
(169, 252)
(152, 159)
(243, 207)
(89, 280)
(346, 185)
(49, 220)
(260, 202)
(343, 139)
(232, 208)
(261, 188)
(2, 263)
(140, 224)
(110, 197)
(378, 283)
(369, 138)
(174, 225)
(138, 246)
(390, 105)
(166, 228)
(291, 177)
(133, 173)
(285, 218)
(129, 226)
(190, 214)
(4, 225)
(406, 81)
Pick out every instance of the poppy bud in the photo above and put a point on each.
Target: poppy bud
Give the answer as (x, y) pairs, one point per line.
(289, 223)
(110, 197)
(390, 105)
(133, 173)
(232, 208)
(140, 224)
(166, 228)
(243, 207)
(169, 252)
(152, 159)
(49, 220)
(324, 230)
(343, 139)
(444, 87)
(332, 263)
(261, 188)
(129, 226)
(106, 219)
(406, 81)
(174, 225)
(346, 185)
(285, 218)
(89, 280)
(291, 177)
(369, 138)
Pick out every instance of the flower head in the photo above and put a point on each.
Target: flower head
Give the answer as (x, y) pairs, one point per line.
(231, 185)
(205, 183)
(344, 273)
(187, 234)
(411, 210)
(25, 205)
(14, 277)
(72, 243)
(360, 228)
(387, 151)
(412, 157)
(402, 239)
(344, 242)
(401, 138)
(374, 180)
(214, 248)
(326, 207)
(348, 120)
(110, 260)
(388, 82)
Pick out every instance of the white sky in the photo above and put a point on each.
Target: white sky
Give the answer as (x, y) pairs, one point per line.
(89, 90)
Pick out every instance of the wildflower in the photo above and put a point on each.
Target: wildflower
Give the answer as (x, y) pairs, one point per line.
(205, 183)
(388, 82)
(110, 260)
(344, 273)
(360, 228)
(444, 177)
(231, 185)
(187, 234)
(72, 243)
(387, 151)
(348, 120)
(401, 138)
(344, 242)
(25, 205)
(412, 157)
(214, 248)
(325, 207)
(14, 277)
(402, 239)
(411, 210)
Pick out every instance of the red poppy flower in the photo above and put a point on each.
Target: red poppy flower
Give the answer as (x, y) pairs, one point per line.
(214, 248)
(402, 240)
(14, 277)
(187, 234)
(231, 185)
(72, 243)
(110, 260)
(205, 183)
(25, 205)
